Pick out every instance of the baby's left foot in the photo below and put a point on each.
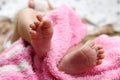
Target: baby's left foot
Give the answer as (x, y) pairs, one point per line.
(79, 59)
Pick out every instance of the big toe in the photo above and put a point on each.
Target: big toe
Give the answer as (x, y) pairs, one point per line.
(47, 30)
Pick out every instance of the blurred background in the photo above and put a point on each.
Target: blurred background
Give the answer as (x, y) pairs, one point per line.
(100, 16)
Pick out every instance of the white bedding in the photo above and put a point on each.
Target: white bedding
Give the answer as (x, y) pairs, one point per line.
(97, 12)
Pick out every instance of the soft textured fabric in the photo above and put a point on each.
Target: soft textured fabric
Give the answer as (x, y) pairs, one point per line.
(19, 61)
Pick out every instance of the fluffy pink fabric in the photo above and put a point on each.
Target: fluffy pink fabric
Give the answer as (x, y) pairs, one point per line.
(19, 62)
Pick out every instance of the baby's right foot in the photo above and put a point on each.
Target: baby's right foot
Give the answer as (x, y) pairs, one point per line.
(41, 35)
(80, 59)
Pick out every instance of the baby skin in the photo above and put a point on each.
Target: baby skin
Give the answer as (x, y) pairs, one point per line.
(38, 32)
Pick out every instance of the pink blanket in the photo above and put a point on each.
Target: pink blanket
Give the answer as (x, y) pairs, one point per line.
(18, 62)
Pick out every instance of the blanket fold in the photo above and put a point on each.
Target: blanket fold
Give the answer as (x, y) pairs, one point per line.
(18, 62)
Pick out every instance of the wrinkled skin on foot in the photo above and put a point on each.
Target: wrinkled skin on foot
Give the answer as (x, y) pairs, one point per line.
(81, 58)
(41, 35)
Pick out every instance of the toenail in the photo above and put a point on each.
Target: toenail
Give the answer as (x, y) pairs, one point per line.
(101, 51)
(99, 62)
(39, 17)
(100, 57)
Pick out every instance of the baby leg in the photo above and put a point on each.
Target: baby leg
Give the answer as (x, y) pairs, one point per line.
(33, 29)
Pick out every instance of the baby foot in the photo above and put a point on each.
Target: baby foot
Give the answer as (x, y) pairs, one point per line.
(41, 35)
(82, 59)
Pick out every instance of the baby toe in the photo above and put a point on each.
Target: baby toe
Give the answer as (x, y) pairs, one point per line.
(100, 56)
(47, 29)
(99, 47)
(37, 24)
(101, 51)
(39, 18)
(32, 26)
(46, 24)
(99, 61)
